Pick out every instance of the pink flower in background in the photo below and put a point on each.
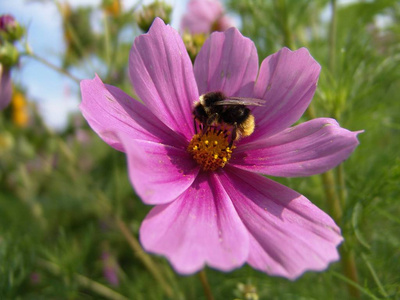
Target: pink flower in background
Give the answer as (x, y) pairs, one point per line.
(109, 269)
(233, 215)
(205, 16)
(5, 87)
(7, 22)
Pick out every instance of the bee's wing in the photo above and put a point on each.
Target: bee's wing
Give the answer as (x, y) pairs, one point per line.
(241, 101)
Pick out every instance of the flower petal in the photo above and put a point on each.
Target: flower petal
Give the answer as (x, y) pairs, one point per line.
(109, 110)
(227, 62)
(5, 87)
(200, 227)
(159, 173)
(162, 76)
(289, 235)
(307, 149)
(287, 81)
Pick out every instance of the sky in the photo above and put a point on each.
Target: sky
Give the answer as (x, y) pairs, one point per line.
(55, 94)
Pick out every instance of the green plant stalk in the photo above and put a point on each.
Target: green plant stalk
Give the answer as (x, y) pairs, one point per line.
(375, 276)
(280, 6)
(334, 205)
(355, 285)
(336, 191)
(54, 67)
(145, 258)
(332, 38)
(84, 281)
(342, 190)
(107, 41)
(206, 285)
(335, 208)
(350, 270)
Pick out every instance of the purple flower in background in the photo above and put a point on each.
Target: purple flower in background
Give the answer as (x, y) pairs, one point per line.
(109, 269)
(6, 22)
(5, 87)
(10, 29)
(232, 215)
(205, 16)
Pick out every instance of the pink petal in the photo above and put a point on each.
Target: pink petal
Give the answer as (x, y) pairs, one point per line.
(200, 227)
(200, 16)
(227, 62)
(159, 173)
(307, 149)
(287, 81)
(108, 110)
(289, 235)
(5, 87)
(162, 76)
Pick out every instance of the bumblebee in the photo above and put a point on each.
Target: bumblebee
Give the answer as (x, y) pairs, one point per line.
(215, 108)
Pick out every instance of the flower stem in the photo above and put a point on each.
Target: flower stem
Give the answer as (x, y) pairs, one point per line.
(350, 270)
(145, 258)
(84, 281)
(332, 38)
(335, 204)
(335, 207)
(206, 285)
(107, 41)
(280, 6)
(54, 67)
(342, 184)
(338, 198)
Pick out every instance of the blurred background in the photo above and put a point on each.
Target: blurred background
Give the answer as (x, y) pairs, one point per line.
(69, 217)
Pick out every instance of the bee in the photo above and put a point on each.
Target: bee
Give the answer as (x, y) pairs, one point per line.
(215, 108)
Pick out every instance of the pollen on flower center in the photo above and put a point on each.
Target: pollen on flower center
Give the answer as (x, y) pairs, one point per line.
(211, 149)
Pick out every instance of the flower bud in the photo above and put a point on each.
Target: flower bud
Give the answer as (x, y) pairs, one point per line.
(10, 30)
(193, 43)
(8, 54)
(112, 7)
(149, 12)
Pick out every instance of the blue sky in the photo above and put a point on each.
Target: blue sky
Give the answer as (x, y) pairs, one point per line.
(55, 94)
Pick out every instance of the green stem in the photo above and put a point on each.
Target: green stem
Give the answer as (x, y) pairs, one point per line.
(206, 285)
(107, 41)
(355, 285)
(338, 200)
(342, 184)
(84, 281)
(375, 276)
(280, 6)
(145, 258)
(334, 205)
(350, 270)
(332, 38)
(54, 67)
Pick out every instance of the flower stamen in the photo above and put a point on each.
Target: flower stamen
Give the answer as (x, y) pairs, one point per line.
(211, 149)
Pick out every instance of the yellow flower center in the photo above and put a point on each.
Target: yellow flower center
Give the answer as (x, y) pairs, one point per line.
(211, 149)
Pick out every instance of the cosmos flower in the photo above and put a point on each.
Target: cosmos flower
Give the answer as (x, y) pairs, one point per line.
(232, 215)
(205, 16)
(5, 87)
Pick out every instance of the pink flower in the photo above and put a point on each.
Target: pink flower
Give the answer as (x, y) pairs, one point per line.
(109, 269)
(233, 215)
(205, 16)
(5, 87)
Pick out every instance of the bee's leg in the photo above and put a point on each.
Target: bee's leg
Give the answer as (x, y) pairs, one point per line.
(195, 125)
(234, 135)
(210, 120)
